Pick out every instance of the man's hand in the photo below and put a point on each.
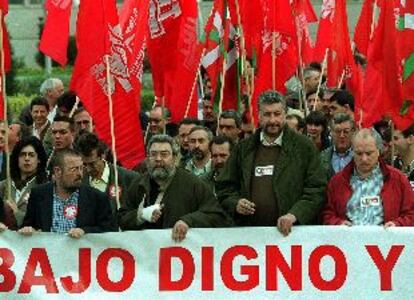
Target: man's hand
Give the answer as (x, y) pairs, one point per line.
(3, 227)
(347, 223)
(285, 223)
(389, 224)
(245, 207)
(179, 231)
(156, 214)
(76, 233)
(28, 230)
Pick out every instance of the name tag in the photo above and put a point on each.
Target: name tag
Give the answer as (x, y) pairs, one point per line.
(263, 171)
(412, 184)
(370, 201)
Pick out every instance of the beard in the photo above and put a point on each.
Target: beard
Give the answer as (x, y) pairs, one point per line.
(161, 173)
(197, 154)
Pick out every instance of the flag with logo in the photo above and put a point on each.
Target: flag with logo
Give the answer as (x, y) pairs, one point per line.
(100, 42)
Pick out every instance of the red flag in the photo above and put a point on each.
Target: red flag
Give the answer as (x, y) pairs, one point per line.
(4, 6)
(134, 25)
(363, 28)
(341, 63)
(182, 80)
(324, 30)
(55, 35)
(383, 74)
(304, 14)
(99, 37)
(165, 20)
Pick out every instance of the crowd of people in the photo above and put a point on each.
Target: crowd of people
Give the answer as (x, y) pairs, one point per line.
(304, 163)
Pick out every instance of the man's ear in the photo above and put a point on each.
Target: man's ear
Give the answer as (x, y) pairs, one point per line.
(57, 171)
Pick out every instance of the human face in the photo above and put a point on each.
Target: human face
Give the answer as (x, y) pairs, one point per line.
(335, 108)
(342, 136)
(219, 155)
(93, 164)
(314, 131)
(28, 161)
(228, 127)
(208, 112)
(311, 83)
(39, 115)
(69, 177)
(183, 132)
(366, 155)
(14, 132)
(401, 144)
(56, 92)
(2, 136)
(293, 123)
(62, 136)
(199, 145)
(272, 118)
(161, 161)
(83, 121)
(156, 121)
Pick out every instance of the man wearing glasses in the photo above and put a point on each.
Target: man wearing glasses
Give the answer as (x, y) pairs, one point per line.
(169, 197)
(336, 157)
(99, 173)
(66, 206)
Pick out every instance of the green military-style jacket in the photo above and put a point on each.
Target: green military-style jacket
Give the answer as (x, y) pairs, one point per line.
(299, 181)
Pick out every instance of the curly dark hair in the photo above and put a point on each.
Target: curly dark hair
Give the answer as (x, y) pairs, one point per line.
(41, 175)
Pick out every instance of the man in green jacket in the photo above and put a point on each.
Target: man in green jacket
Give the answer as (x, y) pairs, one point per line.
(275, 177)
(169, 197)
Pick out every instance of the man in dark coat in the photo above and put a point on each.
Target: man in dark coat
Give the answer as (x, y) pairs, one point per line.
(169, 197)
(66, 206)
(274, 177)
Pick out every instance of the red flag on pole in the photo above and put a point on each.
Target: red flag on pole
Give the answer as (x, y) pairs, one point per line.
(363, 29)
(324, 30)
(99, 38)
(180, 83)
(165, 18)
(55, 35)
(382, 90)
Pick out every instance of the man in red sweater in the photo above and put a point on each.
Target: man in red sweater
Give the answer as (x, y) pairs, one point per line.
(367, 191)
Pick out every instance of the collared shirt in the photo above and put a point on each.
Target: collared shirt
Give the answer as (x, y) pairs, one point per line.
(341, 160)
(38, 131)
(101, 183)
(365, 205)
(276, 142)
(65, 213)
(190, 166)
(52, 114)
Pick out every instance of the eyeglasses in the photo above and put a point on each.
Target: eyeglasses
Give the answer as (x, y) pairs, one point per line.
(345, 131)
(163, 154)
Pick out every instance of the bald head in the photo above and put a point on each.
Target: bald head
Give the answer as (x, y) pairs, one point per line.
(367, 145)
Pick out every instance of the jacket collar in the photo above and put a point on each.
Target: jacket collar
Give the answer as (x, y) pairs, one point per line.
(347, 171)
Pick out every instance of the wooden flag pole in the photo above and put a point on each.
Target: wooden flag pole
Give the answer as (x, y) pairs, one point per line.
(251, 97)
(324, 65)
(6, 122)
(112, 126)
(187, 109)
(341, 80)
(392, 144)
(223, 78)
(302, 96)
(274, 61)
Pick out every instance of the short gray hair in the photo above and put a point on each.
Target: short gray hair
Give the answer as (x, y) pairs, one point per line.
(232, 114)
(309, 71)
(48, 85)
(205, 129)
(164, 139)
(366, 133)
(271, 97)
(339, 118)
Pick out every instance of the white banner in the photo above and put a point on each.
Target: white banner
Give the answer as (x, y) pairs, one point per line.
(233, 263)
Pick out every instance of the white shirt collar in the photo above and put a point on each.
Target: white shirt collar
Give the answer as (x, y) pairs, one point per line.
(276, 142)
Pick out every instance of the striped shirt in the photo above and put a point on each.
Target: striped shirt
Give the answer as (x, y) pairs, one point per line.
(64, 213)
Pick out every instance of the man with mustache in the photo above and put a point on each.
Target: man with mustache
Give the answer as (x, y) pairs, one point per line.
(220, 148)
(199, 141)
(66, 206)
(169, 197)
(275, 177)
